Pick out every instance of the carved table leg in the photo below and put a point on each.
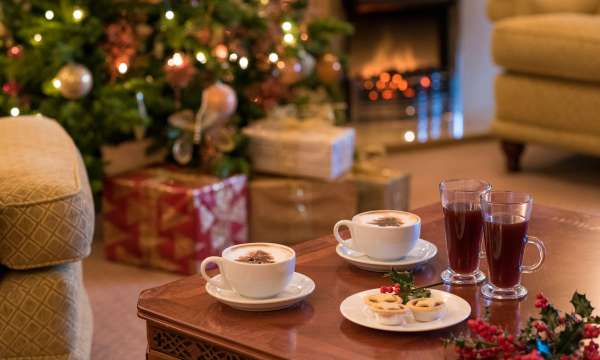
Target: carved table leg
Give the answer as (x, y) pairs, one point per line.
(513, 152)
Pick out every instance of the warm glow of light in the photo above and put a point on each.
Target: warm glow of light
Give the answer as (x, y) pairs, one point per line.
(78, 14)
(403, 85)
(169, 15)
(15, 111)
(289, 39)
(280, 64)
(233, 57)
(409, 93)
(56, 83)
(368, 85)
(175, 60)
(397, 78)
(243, 62)
(221, 51)
(304, 37)
(123, 67)
(387, 94)
(15, 51)
(373, 95)
(264, 2)
(384, 76)
(410, 110)
(380, 84)
(409, 136)
(425, 82)
(49, 14)
(201, 57)
(37, 38)
(286, 26)
(273, 57)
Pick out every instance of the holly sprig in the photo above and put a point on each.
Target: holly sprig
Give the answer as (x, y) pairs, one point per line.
(404, 286)
(553, 334)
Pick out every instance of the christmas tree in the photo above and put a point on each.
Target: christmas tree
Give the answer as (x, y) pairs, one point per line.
(112, 70)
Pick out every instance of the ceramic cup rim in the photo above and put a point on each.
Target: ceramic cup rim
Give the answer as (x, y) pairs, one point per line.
(403, 226)
(289, 249)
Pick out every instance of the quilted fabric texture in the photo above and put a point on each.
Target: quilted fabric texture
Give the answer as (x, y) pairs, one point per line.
(552, 104)
(499, 9)
(558, 45)
(44, 314)
(46, 206)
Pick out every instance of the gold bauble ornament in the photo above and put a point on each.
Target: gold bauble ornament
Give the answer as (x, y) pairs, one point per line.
(329, 69)
(219, 98)
(76, 81)
(290, 71)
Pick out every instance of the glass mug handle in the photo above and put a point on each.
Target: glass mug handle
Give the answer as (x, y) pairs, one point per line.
(528, 269)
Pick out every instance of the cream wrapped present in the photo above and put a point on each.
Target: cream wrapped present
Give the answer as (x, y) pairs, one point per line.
(310, 148)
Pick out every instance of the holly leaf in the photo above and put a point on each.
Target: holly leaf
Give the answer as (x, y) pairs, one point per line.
(582, 305)
(406, 282)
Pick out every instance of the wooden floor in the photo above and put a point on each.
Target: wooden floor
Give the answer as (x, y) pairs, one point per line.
(553, 177)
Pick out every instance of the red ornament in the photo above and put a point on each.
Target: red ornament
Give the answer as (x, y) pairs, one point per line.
(11, 88)
(15, 51)
(179, 70)
(120, 47)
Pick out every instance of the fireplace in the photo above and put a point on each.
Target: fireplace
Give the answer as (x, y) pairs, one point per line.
(401, 59)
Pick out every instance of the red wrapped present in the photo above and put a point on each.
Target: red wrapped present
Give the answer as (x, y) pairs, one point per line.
(172, 219)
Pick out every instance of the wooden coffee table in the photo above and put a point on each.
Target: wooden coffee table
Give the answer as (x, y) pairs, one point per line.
(183, 322)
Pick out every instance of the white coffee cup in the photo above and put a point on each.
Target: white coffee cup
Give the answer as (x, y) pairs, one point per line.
(258, 281)
(387, 241)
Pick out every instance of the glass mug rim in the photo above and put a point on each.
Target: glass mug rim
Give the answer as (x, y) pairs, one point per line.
(485, 185)
(486, 197)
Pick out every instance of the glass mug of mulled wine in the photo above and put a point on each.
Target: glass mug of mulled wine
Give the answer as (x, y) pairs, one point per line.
(506, 216)
(463, 222)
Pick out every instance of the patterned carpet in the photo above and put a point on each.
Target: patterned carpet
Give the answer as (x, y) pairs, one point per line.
(554, 178)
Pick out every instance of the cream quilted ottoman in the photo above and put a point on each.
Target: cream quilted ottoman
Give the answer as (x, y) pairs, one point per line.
(46, 228)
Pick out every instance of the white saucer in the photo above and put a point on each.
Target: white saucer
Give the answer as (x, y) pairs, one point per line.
(420, 254)
(353, 309)
(299, 288)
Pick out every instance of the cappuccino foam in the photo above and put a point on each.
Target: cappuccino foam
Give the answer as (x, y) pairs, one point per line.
(277, 254)
(387, 219)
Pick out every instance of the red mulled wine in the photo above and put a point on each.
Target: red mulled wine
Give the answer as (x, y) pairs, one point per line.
(505, 239)
(463, 236)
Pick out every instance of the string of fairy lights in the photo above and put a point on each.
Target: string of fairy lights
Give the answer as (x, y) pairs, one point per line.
(290, 35)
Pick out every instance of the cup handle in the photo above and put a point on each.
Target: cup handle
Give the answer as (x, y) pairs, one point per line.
(528, 269)
(222, 283)
(336, 232)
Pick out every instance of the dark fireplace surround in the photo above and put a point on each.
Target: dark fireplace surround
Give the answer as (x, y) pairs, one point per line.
(401, 58)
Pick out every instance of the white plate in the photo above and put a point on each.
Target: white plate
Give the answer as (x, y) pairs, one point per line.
(353, 309)
(420, 254)
(299, 288)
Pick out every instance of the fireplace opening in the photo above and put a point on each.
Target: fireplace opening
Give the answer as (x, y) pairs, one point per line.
(401, 59)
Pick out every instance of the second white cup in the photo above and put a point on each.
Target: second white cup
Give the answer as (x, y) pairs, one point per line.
(381, 234)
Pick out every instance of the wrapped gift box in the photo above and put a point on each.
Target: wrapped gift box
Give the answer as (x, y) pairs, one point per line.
(310, 149)
(288, 211)
(172, 219)
(380, 188)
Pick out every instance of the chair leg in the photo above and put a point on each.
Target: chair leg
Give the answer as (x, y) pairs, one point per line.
(513, 152)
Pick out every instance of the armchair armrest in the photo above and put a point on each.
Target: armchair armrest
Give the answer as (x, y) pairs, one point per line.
(500, 9)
